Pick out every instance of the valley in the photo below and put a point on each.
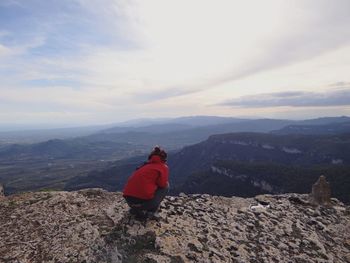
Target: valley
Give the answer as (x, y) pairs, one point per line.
(244, 164)
(206, 155)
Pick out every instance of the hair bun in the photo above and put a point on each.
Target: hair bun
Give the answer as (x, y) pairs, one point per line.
(156, 149)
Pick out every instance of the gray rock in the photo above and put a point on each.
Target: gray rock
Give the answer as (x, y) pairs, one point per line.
(2, 191)
(95, 226)
(321, 192)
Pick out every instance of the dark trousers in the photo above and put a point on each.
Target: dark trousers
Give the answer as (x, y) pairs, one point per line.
(147, 205)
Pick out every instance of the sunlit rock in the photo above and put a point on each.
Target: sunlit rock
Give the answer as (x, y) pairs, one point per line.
(94, 225)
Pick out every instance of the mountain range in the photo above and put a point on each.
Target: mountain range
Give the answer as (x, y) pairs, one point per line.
(244, 164)
(329, 128)
(106, 157)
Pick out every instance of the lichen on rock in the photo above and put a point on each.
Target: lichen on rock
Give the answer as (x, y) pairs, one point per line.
(94, 225)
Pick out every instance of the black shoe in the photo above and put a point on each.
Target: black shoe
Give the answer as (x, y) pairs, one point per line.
(153, 216)
(133, 211)
(140, 215)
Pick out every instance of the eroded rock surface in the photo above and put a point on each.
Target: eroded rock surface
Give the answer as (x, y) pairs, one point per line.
(93, 225)
(2, 192)
(321, 192)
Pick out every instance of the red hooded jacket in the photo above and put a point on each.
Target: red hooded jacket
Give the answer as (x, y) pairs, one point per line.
(144, 181)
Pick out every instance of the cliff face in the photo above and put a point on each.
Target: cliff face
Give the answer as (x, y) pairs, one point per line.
(93, 225)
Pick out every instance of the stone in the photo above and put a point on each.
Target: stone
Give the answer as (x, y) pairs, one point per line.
(2, 191)
(321, 192)
(42, 227)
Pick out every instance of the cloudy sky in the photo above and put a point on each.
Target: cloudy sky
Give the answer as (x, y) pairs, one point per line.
(77, 62)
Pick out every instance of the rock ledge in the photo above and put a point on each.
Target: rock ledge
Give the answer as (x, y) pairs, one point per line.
(93, 225)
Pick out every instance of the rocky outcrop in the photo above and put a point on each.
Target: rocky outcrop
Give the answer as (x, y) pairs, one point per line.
(321, 192)
(2, 191)
(93, 225)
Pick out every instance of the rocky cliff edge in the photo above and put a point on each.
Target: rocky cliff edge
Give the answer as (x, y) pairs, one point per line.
(93, 225)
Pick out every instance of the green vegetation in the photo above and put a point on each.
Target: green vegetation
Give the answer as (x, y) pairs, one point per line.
(239, 179)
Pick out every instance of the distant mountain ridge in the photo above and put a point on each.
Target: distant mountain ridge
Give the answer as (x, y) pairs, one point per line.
(325, 120)
(202, 125)
(74, 149)
(180, 132)
(333, 128)
(27, 136)
(55, 163)
(262, 147)
(175, 136)
(244, 164)
(199, 120)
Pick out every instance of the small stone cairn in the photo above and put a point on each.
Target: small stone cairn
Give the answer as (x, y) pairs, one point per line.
(321, 192)
(2, 192)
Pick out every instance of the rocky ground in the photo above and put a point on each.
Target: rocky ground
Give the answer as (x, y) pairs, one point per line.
(93, 225)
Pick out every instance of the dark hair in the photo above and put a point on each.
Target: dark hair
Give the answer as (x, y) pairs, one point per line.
(159, 152)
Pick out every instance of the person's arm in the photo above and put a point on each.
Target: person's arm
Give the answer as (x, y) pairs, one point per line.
(163, 179)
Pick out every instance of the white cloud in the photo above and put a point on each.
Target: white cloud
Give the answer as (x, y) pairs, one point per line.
(4, 51)
(172, 53)
(331, 98)
(190, 46)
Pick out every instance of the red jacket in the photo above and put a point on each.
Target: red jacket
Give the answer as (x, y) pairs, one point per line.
(144, 181)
